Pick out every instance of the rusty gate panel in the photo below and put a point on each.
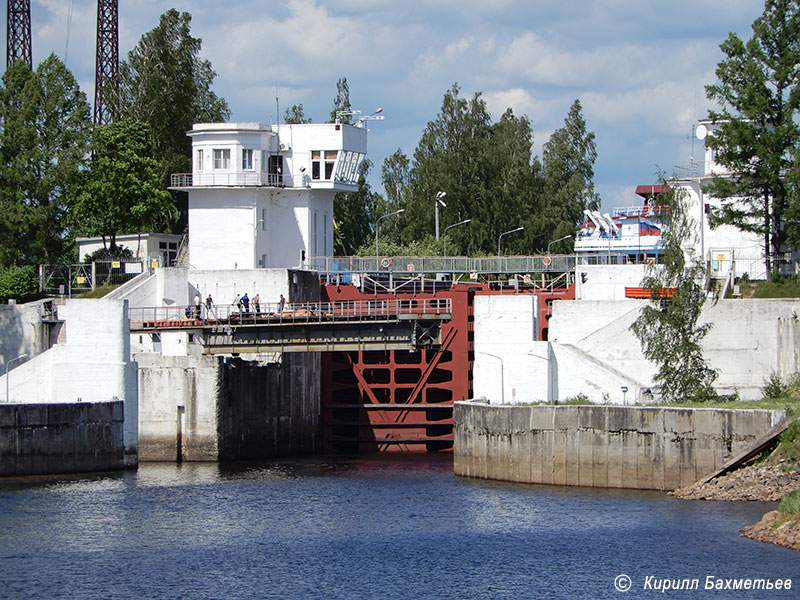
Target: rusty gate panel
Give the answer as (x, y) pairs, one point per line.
(397, 400)
(402, 401)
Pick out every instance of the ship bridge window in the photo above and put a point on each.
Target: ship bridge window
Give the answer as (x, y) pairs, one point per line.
(323, 163)
(222, 158)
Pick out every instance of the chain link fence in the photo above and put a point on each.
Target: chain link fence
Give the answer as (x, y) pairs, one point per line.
(70, 280)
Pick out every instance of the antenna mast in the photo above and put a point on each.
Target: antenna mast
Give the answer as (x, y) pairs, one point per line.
(18, 46)
(106, 85)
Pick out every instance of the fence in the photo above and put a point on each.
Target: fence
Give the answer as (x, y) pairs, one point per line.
(67, 280)
(412, 265)
(160, 317)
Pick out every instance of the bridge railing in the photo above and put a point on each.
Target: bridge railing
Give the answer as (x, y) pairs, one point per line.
(155, 317)
(443, 264)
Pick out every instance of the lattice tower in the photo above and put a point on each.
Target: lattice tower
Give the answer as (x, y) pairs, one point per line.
(19, 32)
(106, 84)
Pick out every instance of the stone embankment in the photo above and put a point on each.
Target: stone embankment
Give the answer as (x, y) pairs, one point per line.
(767, 483)
(777, 529)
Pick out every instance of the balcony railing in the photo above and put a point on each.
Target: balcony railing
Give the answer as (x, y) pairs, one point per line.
(241, 179)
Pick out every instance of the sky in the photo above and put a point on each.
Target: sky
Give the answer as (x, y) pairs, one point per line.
(638, 67)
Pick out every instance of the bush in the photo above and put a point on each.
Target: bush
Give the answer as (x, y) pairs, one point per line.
(115, 253)
(774, 387)
(790, 504)
(789, 447)
(19, 283)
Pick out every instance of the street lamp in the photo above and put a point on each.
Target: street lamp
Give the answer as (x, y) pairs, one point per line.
(501, 237)
(439, 196)
(444, 235)
(397, 212)
(372, 117)
(561, 239)
(502, 382)
(8, 364)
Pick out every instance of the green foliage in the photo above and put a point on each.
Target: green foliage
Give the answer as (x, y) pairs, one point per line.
(341, 103)
(580, 399)
(487, 171)
(44, 134)
(295, 115)
(790, 505)
(567, 173)
(101, 290)
(166, 84)
(780, 286)
(668, 327)
(789, 447)
(774, 387)
(426, 246)
(757, 135)
(353, 214)
(121, 192)
(20, 283)
(115, 253)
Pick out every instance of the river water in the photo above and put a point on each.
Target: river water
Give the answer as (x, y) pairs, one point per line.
(366, 527)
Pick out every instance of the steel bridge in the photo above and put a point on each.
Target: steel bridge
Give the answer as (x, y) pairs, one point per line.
(355, 325)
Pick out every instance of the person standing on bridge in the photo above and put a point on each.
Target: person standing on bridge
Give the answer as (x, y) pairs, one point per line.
(198, 305)
(281, 304)
(245, 302)
(257, 303)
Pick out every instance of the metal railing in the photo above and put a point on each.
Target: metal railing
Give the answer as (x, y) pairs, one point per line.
(413, 265)
(69, 279)
(243, 178)
(192, 317)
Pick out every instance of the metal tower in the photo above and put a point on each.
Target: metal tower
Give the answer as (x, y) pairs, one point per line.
(19, 32)
(106, 85)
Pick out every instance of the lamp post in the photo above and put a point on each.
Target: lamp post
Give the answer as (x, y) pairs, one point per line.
(561, 239)
(8, 364)
(444, 235)
(439, 196)
(372, 117)
(397, 212)
(502, 382)
(506, 233)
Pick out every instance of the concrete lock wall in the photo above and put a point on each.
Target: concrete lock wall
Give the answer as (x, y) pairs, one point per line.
(595, 353)
(90, 363)
(601, 446)
(61, 438)
(203, 408)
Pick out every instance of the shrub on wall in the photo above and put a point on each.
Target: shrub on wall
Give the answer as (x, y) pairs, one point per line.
(19, 283)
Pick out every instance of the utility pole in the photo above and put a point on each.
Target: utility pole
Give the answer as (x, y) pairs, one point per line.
(106, 84)
(18, 40)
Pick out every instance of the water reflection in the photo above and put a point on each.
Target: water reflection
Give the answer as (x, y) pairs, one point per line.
(365, 527)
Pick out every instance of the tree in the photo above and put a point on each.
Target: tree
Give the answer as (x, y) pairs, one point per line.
(45, 126)
(295, 115)
(354, 215)
(121, 192)
(567, 173)
(166, 84)
(667, 327)
(341, 103)
(483, 167)
(756, 136)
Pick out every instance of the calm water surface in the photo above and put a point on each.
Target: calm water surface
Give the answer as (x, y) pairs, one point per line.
(374, 527)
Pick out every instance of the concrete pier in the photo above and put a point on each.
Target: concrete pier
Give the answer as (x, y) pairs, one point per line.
(601, 446)
(74, 437)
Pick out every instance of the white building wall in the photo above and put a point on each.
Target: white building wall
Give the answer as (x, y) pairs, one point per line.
(221, 225)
